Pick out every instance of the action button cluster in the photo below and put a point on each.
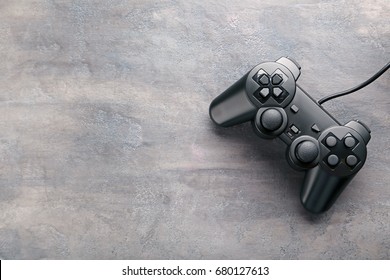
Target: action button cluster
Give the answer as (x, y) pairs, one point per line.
(340, 151)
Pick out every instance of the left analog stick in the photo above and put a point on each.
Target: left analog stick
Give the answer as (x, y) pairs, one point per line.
(271, 119)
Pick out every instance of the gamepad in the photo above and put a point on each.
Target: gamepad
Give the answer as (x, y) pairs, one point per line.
(331, 154)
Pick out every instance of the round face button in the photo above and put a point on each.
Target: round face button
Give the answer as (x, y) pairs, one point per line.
(351, 160)
(333, 160)
(349, 142)
(271, 119)
(331, 141)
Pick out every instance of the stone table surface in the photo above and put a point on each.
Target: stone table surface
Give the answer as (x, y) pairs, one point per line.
(107, 150)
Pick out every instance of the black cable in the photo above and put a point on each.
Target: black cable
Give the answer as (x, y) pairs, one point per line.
(362, 85)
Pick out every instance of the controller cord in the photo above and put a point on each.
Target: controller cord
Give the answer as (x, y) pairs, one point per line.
(362, 85)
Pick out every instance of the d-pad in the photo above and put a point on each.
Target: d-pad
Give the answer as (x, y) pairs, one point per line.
(270, 86)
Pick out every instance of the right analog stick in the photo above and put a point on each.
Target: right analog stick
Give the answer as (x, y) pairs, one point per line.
(306, 151)
(271, 119)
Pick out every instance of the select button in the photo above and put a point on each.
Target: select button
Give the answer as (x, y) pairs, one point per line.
(294, 108)
(294, 129)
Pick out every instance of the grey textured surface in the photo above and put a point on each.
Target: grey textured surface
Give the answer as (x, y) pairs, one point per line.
(107, 150)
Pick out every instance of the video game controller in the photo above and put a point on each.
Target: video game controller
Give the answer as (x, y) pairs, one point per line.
(330, 153)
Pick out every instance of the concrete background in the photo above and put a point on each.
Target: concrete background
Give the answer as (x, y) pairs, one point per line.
(107, 150)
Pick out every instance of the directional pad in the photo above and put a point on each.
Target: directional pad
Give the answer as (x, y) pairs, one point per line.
(270, 84)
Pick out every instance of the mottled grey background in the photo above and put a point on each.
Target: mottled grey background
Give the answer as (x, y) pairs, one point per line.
(107, 150)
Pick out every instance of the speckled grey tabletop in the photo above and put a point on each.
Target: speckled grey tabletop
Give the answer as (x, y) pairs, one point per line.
(107, 150)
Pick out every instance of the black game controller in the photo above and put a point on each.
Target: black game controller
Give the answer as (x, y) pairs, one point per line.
(330, 153)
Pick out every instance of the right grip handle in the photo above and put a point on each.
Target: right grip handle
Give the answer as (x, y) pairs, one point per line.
(320, 189)
(233, 105)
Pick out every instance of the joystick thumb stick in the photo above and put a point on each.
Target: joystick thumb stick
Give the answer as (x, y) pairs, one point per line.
(270, 122)
(271, 119)
(306, 151)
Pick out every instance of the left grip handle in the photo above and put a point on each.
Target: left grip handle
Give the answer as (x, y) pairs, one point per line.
(233, 105)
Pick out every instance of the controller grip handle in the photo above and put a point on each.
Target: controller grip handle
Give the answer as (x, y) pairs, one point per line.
(321, 189)
(233, 105)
